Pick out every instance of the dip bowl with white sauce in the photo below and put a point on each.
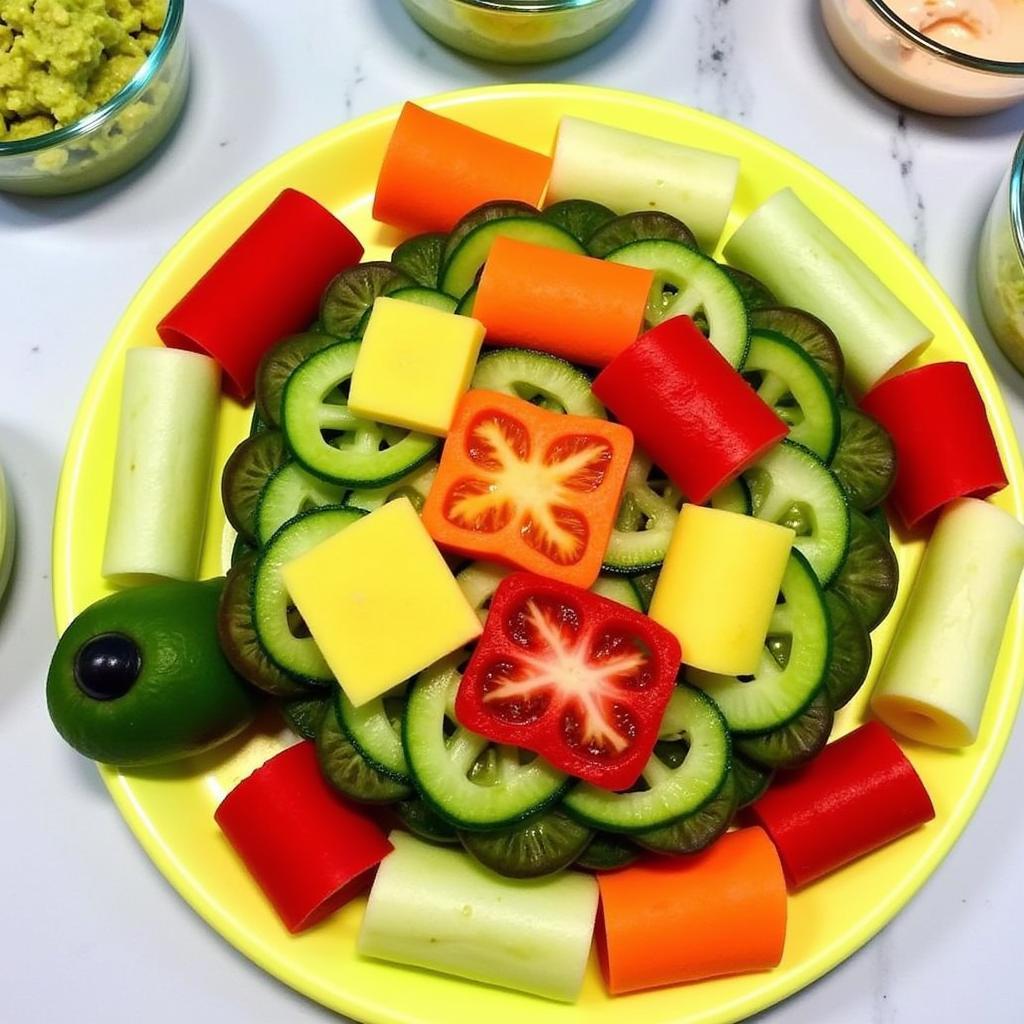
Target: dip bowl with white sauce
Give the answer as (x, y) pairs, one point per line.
(952, 57)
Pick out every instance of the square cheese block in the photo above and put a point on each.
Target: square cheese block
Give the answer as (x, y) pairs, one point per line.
(380, 601)
(415, 364)
(719, 585)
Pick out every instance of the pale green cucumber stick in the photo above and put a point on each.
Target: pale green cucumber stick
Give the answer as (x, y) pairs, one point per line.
(626, 171)
(936, 678)
(438, 909)
(805, 264)
(162, 467)
(6, 534)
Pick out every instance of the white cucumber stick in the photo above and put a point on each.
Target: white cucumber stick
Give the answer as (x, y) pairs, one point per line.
(162, 466)
(627, 172)
(801, 260)
(936, 677)
(438, 909)
(6, 534)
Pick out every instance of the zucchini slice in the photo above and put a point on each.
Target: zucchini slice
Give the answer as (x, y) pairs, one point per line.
(642, 226)
(536, 377)
(304, 714)
(755, 294)
(647, 516)
(498, 209)
(375, 730)
(807, 332)
(246, 473)
(289, 492)
(278, 365)
(865, 460)
(348, 298)
(416, 486)
(851, 651)
(607, 852)
(696, 831)
(420, 258)
(752, 779)
(796, 742)
(415, 814)
(541, 846)
(580, 217)
(870, 576)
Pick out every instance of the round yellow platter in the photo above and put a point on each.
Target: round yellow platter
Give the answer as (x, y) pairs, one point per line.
(171, 810)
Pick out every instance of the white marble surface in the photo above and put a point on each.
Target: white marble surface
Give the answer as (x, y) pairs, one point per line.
(90, 931)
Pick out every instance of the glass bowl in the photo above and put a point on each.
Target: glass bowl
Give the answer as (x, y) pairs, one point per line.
(518, 31)
(113, 138)
(907, 66)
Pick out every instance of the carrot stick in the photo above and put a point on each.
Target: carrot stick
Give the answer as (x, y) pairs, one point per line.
(577, 307)
(669, 921)
(436, 170)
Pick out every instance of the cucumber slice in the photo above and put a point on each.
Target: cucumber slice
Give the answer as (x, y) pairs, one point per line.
(870, 575)
(851, 651)
(688, 283)
(794, 744)
(580, 217)
(644, 585)
(415, 814)
(430, 297)
(466, 780)
(752, 780)
(790, 381)
(865, 461)
(256, 424)
(647, 516)
(350, 295)
(538, 847)
(733, 497)
(642, 226)
(304, 714)
(420, 258)
(246, 473)
(290, 491)
(755, 295)
(466, 303)
(615, 588)
(239, 550)
(536, 377)
(416, 486)
(607, 852)
(465, 258)
(375, 730)
(238, 639)
(809, 333)
(478, 582)
(278, 365)
(880, 521)
(792, 486)
(794, 664)
(671, 790)
(273, 611)
(499, 209)
(696, 831)
(332, 443)
(344, 768)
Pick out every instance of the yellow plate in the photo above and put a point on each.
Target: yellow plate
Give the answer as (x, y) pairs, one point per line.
(171, 811)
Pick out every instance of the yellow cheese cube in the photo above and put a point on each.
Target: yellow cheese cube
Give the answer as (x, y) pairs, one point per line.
(414, 365)
(718, 587)
(380, 601)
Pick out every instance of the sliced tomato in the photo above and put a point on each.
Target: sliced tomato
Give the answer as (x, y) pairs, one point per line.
(579, 679)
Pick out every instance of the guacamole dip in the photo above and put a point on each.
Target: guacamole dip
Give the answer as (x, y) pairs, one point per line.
(61, 59)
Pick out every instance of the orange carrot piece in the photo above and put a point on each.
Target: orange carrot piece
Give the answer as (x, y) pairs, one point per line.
(582, 309)
(436, 170)
(669, 921)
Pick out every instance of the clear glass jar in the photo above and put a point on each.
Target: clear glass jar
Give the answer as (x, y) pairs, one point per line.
(115, 137)
(914, 70)
(518, 31)
(1001, 263)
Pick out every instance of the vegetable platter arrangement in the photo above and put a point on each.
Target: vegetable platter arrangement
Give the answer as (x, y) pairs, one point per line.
(559, 539)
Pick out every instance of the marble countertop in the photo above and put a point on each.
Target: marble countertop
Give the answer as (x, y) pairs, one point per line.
(90, 930)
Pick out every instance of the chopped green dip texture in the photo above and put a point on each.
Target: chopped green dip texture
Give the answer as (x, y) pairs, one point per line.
(62, 59)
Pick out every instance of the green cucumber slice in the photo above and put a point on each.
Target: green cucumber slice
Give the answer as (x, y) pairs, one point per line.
(462, 776)
(499, 209)
(304, 714)
(795, 743)
(809, 333)
(332, 443)
(430, 297)
(288, 492)
(415, 814)
(345, 769)
(752, 780)
(466, 303)
(580, 217)
(733, 497)
(688, 283)
(696, 831)
(536, 377)
(865, 461)
(607, 852)
(246, 473)
(644, 585)
(464, 259)
(880, 521)
(239, 550)
(642, 226)
(671, 790)
(375, 730)
(793, 487)
(541, 846)
(647, 516)
(416, 486)
(618, 589)
(755, 295)
(851, 651)
(870, 576)
(350, 295)
(791, 382)
(256, 424)
(278, 365)
(794, 664)
(420, 258)
(273, 612)
(478, 582)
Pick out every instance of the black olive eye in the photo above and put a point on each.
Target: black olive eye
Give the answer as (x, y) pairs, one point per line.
(107, 666)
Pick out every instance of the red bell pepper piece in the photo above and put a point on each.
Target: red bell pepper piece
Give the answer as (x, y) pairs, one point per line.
(265, 286)
(529, 488)
(860, 793)
(944, 444)
(697, 418)
(579, 679)
(308, 850)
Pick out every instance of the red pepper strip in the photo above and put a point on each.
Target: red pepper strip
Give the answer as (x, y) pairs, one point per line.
(579, 679)
(307, 849)
(265, 286)
(944, 444)
(860, 793)
(700, 421)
